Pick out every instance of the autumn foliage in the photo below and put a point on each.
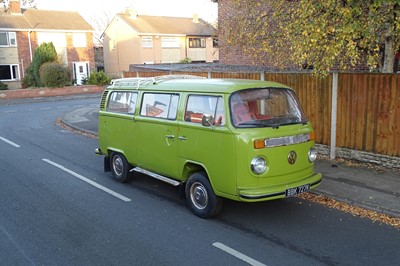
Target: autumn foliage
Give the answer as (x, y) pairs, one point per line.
(326, 35)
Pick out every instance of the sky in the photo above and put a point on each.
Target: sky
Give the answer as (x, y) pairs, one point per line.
(89, 9)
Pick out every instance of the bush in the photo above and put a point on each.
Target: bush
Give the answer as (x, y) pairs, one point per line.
(98, 78)
(29, 79)
(3, 86)
(186, 60)
(54, 75)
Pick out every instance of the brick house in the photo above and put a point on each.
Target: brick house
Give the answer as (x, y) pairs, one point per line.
(23, 30)
(135, 39)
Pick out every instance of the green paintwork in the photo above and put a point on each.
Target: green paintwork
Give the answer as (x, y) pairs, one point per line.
(224, 153)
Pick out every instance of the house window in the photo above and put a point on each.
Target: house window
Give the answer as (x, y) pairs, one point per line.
(147, 42)
(9, 72)
(170, 42)
(215, 42)
(79, 39)
(8, 39)
(197, 42)
(57, 38)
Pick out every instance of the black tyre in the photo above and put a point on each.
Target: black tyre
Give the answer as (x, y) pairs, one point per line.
(119, 167)
(200, 196)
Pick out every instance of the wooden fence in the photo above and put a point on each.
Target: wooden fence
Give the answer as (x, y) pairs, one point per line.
(368, 106)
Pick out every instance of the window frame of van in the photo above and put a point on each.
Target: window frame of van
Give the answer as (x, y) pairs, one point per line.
(170, 103)
(218, 99)
(288, 91)
(131, 110)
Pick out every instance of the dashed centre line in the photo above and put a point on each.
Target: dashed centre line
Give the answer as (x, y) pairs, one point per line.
(237, 254)
(87, 180)
(10, 142)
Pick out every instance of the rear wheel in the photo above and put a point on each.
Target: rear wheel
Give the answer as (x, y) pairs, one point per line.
(200, 196)
(119, 167)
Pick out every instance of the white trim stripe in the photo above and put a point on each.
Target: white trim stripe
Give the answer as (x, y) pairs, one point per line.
(10, 142)
(237, 254)
(109, 191)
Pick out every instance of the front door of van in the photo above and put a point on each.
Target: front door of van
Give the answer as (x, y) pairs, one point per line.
(210, 146)
(156, 126)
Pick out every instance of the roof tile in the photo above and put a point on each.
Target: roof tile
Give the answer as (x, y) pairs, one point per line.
(168, 25)
(34, 19)
(56, 20)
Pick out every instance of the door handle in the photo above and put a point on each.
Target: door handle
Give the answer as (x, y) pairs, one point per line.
(170, 136)
(182, 138)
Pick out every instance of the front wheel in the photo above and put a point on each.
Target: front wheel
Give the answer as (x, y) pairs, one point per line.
(200, 196)
(119, 167)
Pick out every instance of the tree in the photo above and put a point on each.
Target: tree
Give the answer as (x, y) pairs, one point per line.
(323, 33)
(43, 53)
(100, 21)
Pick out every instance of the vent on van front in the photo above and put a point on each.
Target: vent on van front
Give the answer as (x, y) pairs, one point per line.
(103, 99)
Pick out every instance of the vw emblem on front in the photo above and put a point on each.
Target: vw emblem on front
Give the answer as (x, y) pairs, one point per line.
(292, 157)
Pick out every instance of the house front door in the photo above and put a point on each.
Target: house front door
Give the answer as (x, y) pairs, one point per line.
(81, 72)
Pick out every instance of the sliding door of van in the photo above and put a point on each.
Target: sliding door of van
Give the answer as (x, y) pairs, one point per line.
(157, 133)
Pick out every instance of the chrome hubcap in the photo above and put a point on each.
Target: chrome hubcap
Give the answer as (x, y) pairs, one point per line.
(198, 195)
(118, 165)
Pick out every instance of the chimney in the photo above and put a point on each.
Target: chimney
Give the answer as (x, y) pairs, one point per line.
(195, 18)
(131, 12)
(14, 6)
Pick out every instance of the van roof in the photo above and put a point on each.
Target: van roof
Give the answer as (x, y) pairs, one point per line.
(188, 83)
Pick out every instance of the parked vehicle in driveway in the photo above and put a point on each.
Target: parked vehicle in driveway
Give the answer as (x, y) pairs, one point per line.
(237, 139)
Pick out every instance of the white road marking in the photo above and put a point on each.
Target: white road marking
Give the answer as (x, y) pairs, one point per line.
(10, 142)
(237, 254)
(109, 191)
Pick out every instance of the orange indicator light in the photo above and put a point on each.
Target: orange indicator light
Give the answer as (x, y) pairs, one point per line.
(259, 144)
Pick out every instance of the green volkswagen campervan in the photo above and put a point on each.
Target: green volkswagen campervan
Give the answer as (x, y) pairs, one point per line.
(242, 140)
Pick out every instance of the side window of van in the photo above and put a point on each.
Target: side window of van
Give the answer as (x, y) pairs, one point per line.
(160, 105)
(122, 102)
(199, 105)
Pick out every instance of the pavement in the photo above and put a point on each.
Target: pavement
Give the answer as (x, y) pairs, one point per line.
(368, 187)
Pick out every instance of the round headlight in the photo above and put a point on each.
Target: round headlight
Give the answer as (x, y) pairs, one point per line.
(312, 155)
(258, 165)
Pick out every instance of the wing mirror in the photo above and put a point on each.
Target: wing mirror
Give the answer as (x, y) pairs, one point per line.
(207, 120)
